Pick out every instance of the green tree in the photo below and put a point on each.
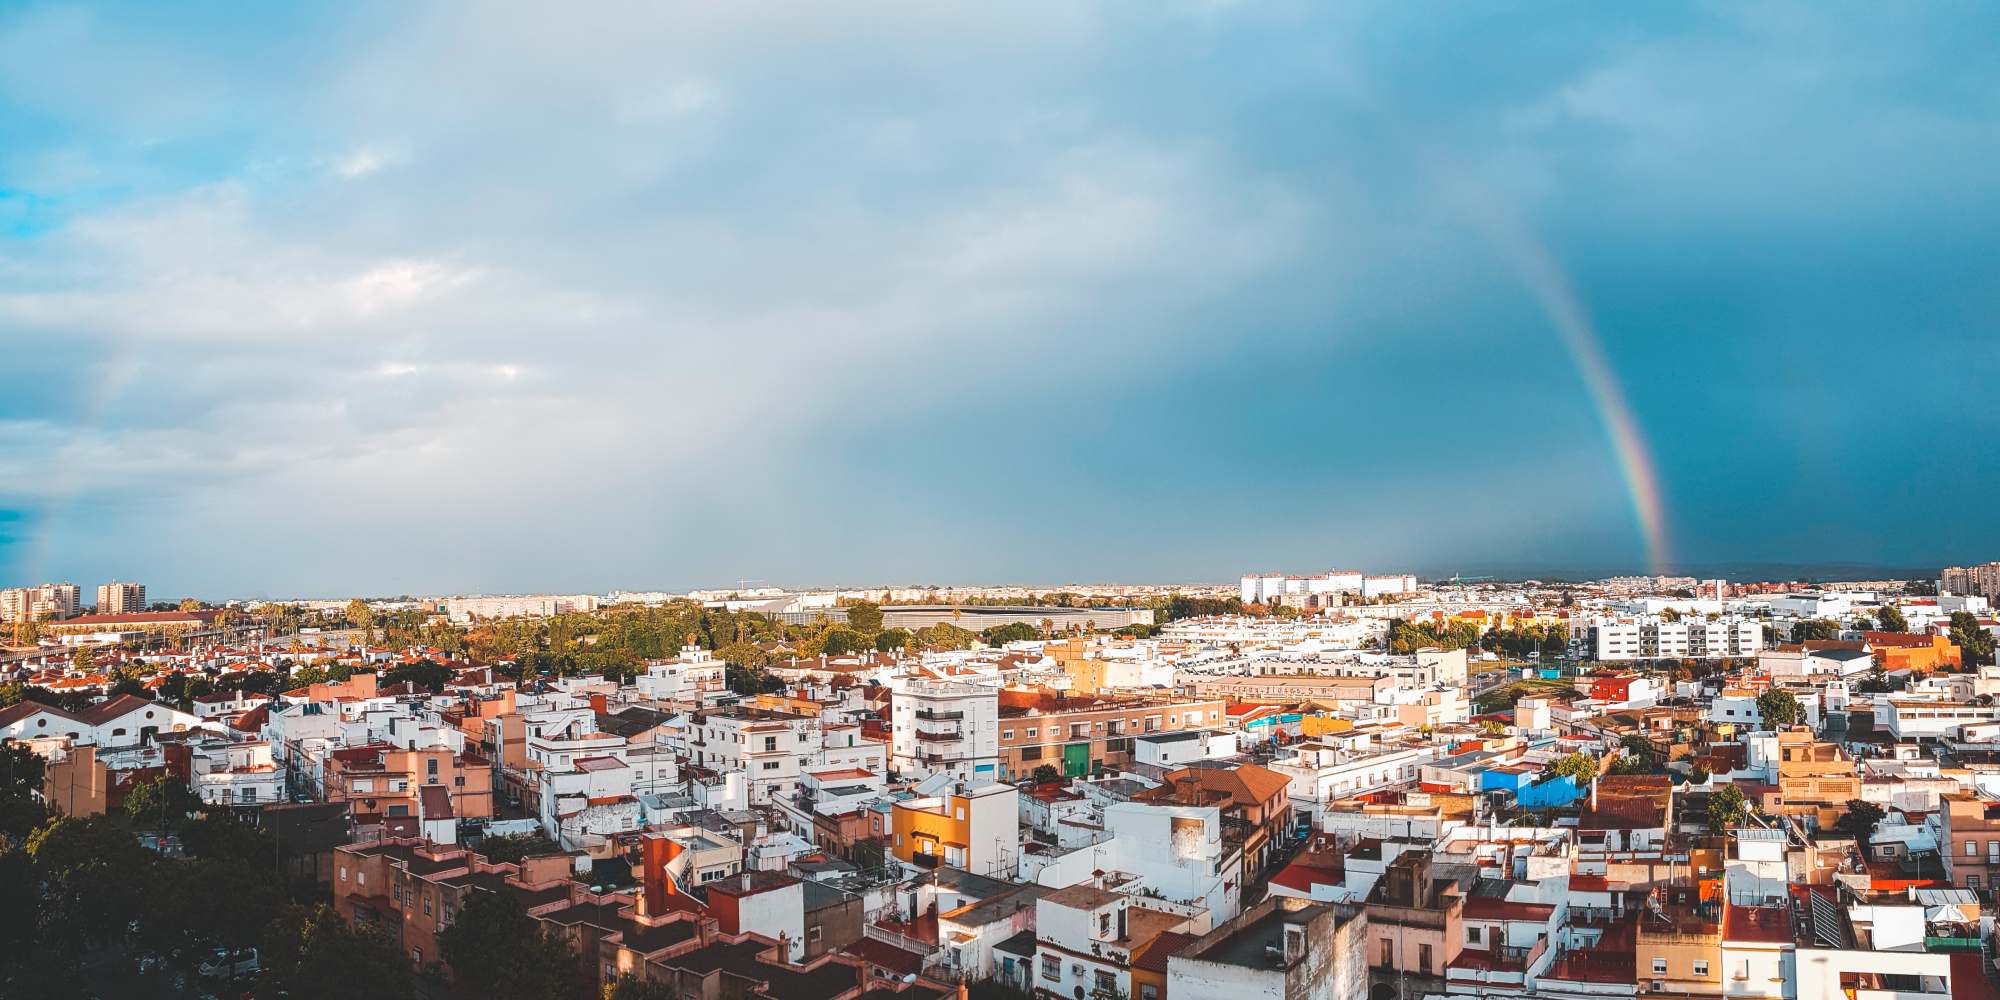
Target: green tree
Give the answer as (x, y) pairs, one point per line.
(425, 674)
(512, 848)
(747, 655)
(27, 632)
(497, 951)
(162, 804)
(1779, 708)
(840, 641)
(944, 635)
(1727, 807)
(865, 617)
(1891, 619)
(890, 640)
(629, 988)
(360, 615)
(1000, 635)
(1580, 767)
(87, 869)
(1859, 820)
(1975, 644)
(1046, 774)
(1815, 630)
(82, 659)
(315, 955)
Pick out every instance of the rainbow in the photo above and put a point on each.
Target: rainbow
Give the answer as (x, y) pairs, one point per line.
(1552, 290)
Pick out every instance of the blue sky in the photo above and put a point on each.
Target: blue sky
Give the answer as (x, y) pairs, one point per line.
(379, 298)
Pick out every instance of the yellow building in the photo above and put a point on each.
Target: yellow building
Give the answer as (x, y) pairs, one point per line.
(974, 827)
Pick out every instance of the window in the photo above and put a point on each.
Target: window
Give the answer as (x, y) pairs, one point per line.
(1424, 957)
(1051, 967)
(1971, 848)
(417, 955)
(1659, 966)
(812, 933)
(770, 744)
(1475, 934)
(1972, 881)
(1701, 968)
(1104, 923)
(1107, 983)
(432, 766)
(343, 873)
(1032, 732)
(1031, 753)
(1149, 992)
(771, 765)
(1006, 734)
(248, 795)
(1388, 952)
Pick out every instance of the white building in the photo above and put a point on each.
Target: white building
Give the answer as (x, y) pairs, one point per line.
(939, 727)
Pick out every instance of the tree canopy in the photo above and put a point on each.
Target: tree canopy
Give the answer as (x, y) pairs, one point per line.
(1779, 708)
(1727, 807)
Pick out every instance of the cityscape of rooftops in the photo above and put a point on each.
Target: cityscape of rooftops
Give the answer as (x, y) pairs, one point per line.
(1038, 501)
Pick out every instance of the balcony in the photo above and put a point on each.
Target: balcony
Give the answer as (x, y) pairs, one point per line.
(930, 737)
(932, 715)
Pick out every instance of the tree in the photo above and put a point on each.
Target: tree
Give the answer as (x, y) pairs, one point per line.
(945, 636)
(1699, 775)
(315, 955)
(82, 658)
(1974, 643)
(190, 604)
(1046, 774)
(426, 674)
(1859, 820)
(865, 617)
(1891, 619)
(1779, 708)
(497, 951)
(1727, 807)
(1815, 630)
(360, 615)
(162, 804)
(890, 640)
(747, 655)
(27, 632)
(1580, 767)
(1638, 756)
(510, 849)
(1000, 635)
(87, 868)
(839, 641)
(630, 988)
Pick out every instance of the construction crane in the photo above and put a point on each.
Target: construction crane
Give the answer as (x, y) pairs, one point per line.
(1459, 580)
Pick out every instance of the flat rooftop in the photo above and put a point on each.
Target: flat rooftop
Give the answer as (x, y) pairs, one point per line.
(1248, 945)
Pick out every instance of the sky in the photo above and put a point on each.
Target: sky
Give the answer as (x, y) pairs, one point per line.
(425, 298)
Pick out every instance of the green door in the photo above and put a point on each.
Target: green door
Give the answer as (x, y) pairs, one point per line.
(1076, 759)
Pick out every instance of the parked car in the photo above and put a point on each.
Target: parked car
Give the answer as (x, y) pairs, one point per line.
(226, 964)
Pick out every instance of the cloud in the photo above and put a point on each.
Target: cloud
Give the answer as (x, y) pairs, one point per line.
(801, 285)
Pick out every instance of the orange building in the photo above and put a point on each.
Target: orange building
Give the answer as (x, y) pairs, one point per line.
(382, 784)
(1919, 654)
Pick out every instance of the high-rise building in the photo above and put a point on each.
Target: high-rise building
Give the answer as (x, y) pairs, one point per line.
(1982, 580)
(16, 603)
(116, 598)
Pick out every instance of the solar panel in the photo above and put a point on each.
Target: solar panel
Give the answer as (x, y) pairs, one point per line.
(1826, 922)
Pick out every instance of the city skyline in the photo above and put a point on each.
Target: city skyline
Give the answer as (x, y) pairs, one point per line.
(373, 299)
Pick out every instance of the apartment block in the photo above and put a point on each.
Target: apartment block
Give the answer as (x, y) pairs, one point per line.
(1077, 736)
(939, 727)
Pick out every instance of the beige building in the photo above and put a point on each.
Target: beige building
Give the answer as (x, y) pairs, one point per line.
(120, 598)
